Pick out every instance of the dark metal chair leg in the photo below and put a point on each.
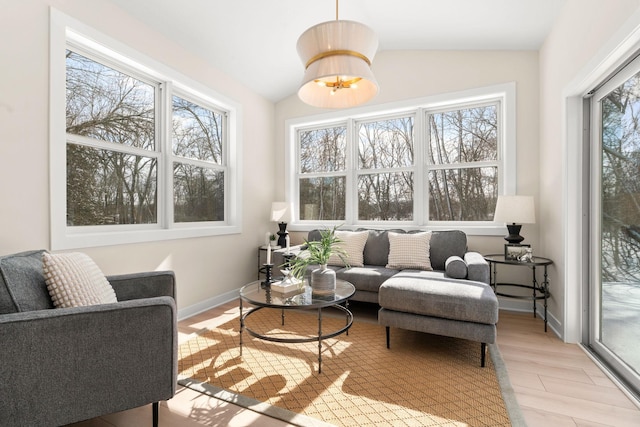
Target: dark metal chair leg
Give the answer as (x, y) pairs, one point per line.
(155, 407)
(483, 350)
(388, 337)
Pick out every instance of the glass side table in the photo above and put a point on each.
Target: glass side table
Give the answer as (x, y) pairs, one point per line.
(540, 289)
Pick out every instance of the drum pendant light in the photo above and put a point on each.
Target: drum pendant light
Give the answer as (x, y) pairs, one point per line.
(337, 57)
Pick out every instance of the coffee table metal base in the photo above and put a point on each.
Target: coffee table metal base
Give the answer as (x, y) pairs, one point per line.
(297, 340)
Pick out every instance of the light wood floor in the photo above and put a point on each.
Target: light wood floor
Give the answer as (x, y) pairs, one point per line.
(556, 384)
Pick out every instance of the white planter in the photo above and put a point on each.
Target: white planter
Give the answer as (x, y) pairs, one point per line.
(323, 280)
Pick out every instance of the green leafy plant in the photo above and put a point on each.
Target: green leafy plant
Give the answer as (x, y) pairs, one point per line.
(318, 252)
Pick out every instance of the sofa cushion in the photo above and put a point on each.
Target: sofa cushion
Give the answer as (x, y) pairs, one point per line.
(74, 280)
(419, 293)
(367, 278)
(444, 244)
(22, 285)
(409, 251)
(455, 267)
(376, 251)
(352, 243)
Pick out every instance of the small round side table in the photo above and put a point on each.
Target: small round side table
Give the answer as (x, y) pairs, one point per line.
(540, 289)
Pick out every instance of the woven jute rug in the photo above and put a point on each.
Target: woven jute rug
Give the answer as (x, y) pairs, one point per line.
(422, 380)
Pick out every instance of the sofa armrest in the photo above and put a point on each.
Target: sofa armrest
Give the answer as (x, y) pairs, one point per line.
(144, 285)
(65, 365)
(477, 267)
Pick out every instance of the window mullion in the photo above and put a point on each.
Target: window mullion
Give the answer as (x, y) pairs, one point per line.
(165, 180)
(351, 191)
(420, 138)
(110, 146)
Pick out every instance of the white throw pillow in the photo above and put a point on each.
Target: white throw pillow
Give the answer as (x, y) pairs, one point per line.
(353, 244)
(409, 251)
(74, 280)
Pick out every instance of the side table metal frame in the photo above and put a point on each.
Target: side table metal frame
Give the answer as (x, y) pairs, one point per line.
(540, 290)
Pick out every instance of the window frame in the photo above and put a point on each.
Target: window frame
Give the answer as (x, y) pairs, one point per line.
(429, 167)
(503, 94)
(67, 32)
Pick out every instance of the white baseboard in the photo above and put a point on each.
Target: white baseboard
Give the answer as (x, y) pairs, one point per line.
(192, 310)
(506, 304)
(525, 306)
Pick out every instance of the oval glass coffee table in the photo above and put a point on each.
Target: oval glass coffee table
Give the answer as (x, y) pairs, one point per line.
(260, 297)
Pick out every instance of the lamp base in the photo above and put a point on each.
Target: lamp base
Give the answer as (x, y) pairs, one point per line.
(514, 233)
(282, 234)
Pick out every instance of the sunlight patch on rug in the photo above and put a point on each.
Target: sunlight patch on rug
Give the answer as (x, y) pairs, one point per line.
(422, 380)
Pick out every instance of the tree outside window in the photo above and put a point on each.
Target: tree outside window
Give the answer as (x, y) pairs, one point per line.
(463, 164)
(458, 164)
(113, 151)
(386, 170)
(322, 179)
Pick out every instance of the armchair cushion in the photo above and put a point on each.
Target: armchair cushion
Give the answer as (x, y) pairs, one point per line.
(74, 280)
(22, 284)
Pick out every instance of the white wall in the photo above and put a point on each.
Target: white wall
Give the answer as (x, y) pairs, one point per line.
(582, 39)
(206, 268)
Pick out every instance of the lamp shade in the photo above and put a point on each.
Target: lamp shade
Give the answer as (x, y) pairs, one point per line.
(515, 209)
(280, 212)
(337, 57)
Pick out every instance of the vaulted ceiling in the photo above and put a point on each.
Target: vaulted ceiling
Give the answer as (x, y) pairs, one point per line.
(255, 40)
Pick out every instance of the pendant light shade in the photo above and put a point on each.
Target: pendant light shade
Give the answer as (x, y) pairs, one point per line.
(337, 57)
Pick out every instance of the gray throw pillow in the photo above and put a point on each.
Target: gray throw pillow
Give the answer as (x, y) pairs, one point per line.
(455, 267)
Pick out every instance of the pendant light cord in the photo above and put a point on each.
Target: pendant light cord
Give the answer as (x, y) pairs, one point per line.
(336, 10)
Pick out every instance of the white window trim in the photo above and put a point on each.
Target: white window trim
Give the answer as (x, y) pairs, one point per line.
(64, 28)
(505, 93)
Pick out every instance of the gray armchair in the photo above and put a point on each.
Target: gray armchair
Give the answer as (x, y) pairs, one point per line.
(63, 365)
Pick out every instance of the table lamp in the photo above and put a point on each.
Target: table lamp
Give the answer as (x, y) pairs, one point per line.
(515, 211)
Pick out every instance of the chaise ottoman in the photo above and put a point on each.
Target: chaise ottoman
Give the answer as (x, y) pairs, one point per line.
(425, 301)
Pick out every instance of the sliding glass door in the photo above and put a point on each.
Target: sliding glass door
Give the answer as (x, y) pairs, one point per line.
(614, 305)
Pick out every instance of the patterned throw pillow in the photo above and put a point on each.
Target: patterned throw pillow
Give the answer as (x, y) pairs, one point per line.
(409, 251)
(74, 280)
(353, 244)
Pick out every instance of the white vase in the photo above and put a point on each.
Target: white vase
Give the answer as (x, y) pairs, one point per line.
(323, 280)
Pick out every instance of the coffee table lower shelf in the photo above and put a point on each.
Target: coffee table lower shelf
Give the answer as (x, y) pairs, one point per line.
(298, 340)
(261, 297)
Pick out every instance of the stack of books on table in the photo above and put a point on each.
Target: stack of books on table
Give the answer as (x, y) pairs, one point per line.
(288, 285)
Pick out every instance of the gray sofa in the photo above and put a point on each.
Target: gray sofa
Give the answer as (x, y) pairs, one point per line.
(454, 299)
(63, 365)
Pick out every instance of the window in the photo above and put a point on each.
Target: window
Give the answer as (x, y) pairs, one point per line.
(141, 154)
(112, 161)
(323, 173)
(199, 168)
(385, 169)
(462, 163)
(440, 163)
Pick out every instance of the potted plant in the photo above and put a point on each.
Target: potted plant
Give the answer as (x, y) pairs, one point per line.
(272, 240)
(318, 252)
